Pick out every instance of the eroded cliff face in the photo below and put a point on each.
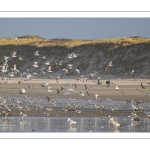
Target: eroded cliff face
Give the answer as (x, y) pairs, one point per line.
(92, 56)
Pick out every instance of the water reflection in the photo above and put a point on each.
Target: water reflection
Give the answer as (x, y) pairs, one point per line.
(84, 124)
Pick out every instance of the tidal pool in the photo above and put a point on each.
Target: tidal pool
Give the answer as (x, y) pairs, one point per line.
(84, 124)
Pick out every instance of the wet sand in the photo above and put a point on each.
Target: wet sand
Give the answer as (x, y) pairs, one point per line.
(128, 86)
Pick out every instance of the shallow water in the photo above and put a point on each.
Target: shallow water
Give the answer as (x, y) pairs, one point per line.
(60, 124)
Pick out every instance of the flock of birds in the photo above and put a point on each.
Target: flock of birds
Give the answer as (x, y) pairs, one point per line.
(7, 105)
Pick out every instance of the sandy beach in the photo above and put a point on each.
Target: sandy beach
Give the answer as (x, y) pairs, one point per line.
(131, 91)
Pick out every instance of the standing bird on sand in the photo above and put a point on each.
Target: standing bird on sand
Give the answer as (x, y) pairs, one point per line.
(82, 94)
(96, 95)
(142, 86)
(49, 89)
(22, 91)
(117, 88)
(58, 77)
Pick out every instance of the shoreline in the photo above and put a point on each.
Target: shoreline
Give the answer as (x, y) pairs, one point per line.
(128, 86)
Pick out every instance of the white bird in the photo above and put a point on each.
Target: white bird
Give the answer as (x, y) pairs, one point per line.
(23, 115)
(70, 66)
(71, 121)
(4, 69)
(82, 94)
(6, 58)
(36, 53)
(49, 69)
(16, 38)
(11, 74)
(47, 63)
(29, 77)
(15, 69)
(96, 95)
(49, 89)
(135, 108)
(115, 124)
(109, 64)
(77, 70)
(132, 71)
(35, 64)
(117, 88)
(22, 91)
(20, 58)
(59, 63)
(70, 56)
(13, 54)
(74, 55)
(71, 90)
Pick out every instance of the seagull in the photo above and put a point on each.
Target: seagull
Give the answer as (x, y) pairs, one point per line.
(74, 55)
(68, 94)
(91, 75)
(71, 121)
(134, 107)
(16, 38)
(13, 54)
(117, 88)
(143, 87)
(71, 90)
(57, 79)
(6, 58)
(20, 58)
(49, 89)
(132, 71)
(82, 94)
(70, 66)
(43, 57)
(109, 64)
(59, 63)
(115, 124)
(65, 71)
(48, 98)
(36, 53)
(11, 74)
(47, 63)
(70, 56)
(30, 86)
(41, 70)
(22, 91)
(77, 70)
(23, 115)
(15, 69)
(4, 69)
(49, 69)
(35, 64)
(96, 95)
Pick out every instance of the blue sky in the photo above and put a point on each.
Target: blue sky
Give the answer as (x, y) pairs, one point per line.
(75, 28)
